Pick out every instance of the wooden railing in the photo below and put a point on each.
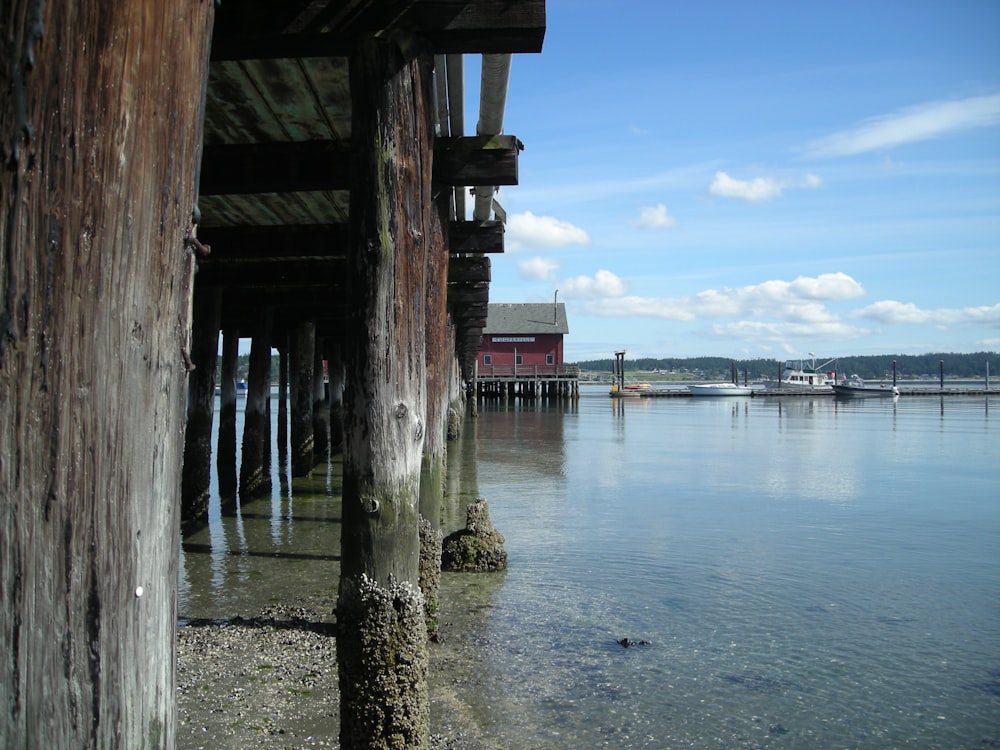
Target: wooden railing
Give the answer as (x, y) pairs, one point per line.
(529, 371)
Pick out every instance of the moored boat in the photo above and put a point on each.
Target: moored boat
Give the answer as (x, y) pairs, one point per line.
(855, 387)
(798, 378)
(719, 389)
(638, 387)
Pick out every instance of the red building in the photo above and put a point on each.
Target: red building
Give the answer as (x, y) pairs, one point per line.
(523, 341)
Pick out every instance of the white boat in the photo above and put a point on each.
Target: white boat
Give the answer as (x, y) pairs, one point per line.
(855, 387)
(719, 389)
(800, 378)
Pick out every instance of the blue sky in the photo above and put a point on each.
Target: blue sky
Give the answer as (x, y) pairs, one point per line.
(758, 179)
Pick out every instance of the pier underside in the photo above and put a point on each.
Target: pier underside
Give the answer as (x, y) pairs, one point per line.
(180, 176)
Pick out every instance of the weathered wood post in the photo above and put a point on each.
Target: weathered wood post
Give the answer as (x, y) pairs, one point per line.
(283, 404)
(197, 478)
(335, 367)
(301, 347)
(225, 448)
(100, 112)
(382, 643)
(440, 351)
(320, 412)
(254, 481)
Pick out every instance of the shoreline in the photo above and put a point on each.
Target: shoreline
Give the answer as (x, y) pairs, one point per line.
(270, 681)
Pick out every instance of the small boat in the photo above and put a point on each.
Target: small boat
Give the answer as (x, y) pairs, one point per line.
(638, 387)
(719, 389)
(797, 378)
(855, 387)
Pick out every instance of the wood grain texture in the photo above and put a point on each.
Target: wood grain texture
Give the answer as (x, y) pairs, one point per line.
(99, 132)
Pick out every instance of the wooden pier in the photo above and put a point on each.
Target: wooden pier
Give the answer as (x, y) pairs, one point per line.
(295, 173)
(529, 382)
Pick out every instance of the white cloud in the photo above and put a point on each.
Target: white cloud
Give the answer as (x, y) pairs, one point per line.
(782, 331)
(909, 125)
(893, 312)
(655, 217)
(759, 188)
(601, 284)
(827, 286)
(537, 269)
(529, 231)
(800, 301)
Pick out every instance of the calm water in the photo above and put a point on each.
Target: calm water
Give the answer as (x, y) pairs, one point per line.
(808, 573)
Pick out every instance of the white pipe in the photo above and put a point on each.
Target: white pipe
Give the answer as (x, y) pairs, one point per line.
(456, 115)
(492, 102)
(441, 119)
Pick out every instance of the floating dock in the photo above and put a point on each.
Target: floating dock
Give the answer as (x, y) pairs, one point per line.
(798, 393)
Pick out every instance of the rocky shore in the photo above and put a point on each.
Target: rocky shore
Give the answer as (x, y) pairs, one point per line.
(271, 682)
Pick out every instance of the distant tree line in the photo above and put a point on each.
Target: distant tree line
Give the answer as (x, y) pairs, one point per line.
(872, 367)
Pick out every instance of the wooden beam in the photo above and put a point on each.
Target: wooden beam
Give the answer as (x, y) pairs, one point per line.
(275, 242)
(449, 26)
(465, 294)
(328, 240)
(275, 168)
(303, 166)
(296, 273)
(475, 237)
(470, 268)
(476, 160)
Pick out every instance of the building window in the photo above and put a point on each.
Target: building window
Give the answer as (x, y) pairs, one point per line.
(519, 359)
(487, 360)
(550, 359)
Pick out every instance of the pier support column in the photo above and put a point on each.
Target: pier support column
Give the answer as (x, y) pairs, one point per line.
(283, 403)
(382, 643)
(320, 411)
(225, 449)
(100, 137)
(196, 481)
(335, 367)
(301, 345)
(254, 481)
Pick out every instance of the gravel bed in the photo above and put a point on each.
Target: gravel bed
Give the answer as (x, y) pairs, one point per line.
(271, 682)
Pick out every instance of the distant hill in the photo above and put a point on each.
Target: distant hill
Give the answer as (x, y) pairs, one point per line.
(873, 367)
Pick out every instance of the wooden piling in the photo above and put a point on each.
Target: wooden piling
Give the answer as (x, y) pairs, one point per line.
(225, 448)
(254, 481)
(196, 480)
(301, 347)
(320, 410)
(381, 647)
(99, 135)
(282, 432)
(335, 366)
